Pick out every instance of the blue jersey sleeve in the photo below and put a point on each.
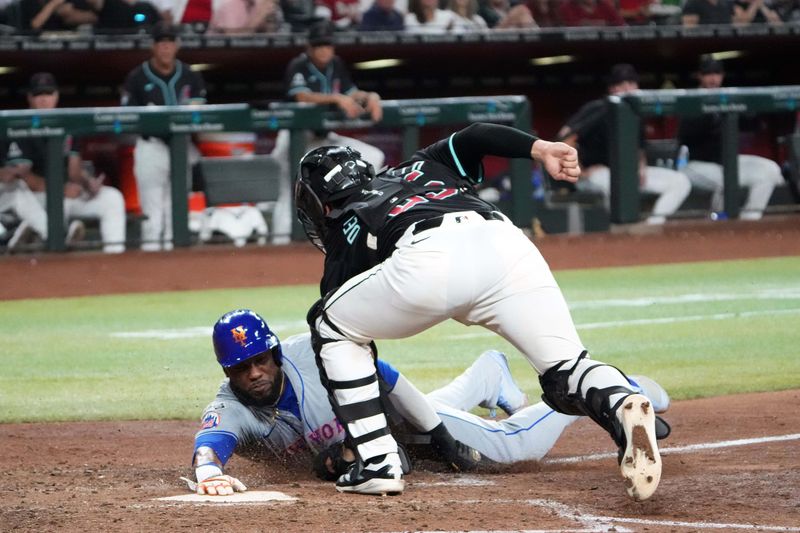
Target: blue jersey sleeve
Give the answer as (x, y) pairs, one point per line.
(222, 442)
(388, 373)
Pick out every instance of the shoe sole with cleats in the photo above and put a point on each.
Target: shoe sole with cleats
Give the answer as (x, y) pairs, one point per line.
(375, 486)
(640, 463)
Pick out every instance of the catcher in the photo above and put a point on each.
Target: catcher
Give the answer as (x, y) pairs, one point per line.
(273, 405)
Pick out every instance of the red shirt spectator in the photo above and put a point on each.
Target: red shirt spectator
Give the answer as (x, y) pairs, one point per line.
(343, 13)
(590, 13)
(635, 11)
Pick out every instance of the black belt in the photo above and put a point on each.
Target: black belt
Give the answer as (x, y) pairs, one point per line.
(435, 222)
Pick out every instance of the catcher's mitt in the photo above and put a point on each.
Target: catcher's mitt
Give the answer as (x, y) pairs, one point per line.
(329, 463)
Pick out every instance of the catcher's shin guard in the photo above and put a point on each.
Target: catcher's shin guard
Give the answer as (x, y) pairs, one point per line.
(356, 402)
(628, 417)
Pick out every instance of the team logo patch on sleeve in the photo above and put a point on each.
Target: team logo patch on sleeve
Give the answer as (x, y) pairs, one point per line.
(210, 420)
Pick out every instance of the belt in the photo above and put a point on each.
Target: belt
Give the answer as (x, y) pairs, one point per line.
(435, 222)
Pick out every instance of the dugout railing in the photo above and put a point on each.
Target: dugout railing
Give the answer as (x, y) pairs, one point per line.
(628, 111)
(177, 123)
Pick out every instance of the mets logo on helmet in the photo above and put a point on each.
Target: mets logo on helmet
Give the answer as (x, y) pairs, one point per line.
(239, 335)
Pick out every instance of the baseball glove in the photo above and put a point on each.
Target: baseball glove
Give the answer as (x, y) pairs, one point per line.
(329, 463)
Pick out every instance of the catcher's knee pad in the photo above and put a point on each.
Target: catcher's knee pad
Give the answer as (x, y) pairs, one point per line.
(558, 394)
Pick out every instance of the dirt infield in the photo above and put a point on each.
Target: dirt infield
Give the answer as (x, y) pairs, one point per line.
(105, 476)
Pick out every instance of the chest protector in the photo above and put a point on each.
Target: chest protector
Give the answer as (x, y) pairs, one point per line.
(386, 191)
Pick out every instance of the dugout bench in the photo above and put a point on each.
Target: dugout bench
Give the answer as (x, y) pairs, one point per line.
(179, 122)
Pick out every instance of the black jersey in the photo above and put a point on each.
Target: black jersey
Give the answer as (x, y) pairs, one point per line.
(591, 124)
(146, 86)
(438, 179)
(33, 152)
(303, 76)
(703, 136)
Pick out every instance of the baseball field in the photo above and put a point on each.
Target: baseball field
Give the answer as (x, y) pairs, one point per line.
(107, 365)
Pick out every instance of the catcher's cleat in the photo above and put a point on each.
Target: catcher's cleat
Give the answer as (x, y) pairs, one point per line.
(511, 398)
(654, 392)
(380, 475)
(639, 460)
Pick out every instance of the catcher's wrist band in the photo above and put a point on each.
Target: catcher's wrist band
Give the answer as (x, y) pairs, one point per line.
(203, 472)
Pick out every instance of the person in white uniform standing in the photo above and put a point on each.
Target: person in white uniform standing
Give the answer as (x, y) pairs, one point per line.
(414, 246)
(319, 76)
(161, 80)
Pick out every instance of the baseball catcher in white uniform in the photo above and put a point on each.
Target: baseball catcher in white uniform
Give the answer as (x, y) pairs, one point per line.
(414, 246)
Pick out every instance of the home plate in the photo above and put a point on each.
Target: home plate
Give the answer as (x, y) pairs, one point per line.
(254, 496)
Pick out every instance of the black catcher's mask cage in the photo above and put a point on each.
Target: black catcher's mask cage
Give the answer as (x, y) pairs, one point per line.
(327, 177)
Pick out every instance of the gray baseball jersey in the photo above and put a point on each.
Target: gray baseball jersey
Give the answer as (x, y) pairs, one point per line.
(303, 423)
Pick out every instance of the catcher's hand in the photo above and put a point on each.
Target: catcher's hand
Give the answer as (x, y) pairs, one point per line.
(332, 462)
(220, 486)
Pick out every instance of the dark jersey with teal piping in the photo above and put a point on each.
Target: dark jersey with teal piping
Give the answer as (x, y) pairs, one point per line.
(145, 86)
(436, 180)
(303, 76)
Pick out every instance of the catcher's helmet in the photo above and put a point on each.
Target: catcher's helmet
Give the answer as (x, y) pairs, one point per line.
(242, 334)
(328, 175)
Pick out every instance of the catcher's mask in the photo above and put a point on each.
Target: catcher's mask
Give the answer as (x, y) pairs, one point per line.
(241, 335)
(327, 177)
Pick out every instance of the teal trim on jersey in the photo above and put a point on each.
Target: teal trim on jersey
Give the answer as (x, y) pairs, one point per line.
(174, 80)
(455, 157)
(326, 78)
(19, 161)
(167, 89)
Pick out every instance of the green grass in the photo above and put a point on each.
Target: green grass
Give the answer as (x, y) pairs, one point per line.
(701, 329)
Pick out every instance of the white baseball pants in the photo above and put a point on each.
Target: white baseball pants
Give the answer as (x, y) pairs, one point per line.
(671, 186)
(476, 271)
(759, 174)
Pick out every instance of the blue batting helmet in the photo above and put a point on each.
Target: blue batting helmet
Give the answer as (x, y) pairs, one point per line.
(242, 334)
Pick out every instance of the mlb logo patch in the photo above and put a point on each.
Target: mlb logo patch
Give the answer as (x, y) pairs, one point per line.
(210, 420)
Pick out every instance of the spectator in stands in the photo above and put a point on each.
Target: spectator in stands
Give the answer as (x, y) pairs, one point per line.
(590, 13)
(424, 16)
(161, 80)
(787, 10)
(85, 196)
(702, 135)
(503, 14)
(707, 12)
(55, 15)
(123, 14)
(754, 12)
(382, 16)
(248, 16)
(635, 12)
(466, 16)
(345, 14)
(193, 13)
(545, 13)
(319, 76)
(588, 129)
